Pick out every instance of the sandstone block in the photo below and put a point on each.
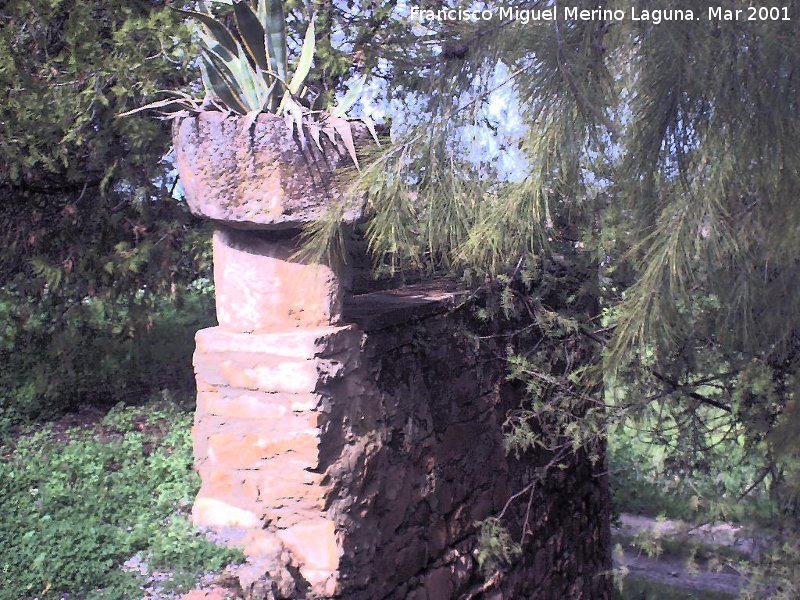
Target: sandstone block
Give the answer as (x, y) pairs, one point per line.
(256, 371)
(266, 577)
(277, 486)
(296, 343)
(254, 450)
(321, 581)
(210, 512)
(258, 410)
(223, 484)
(260, 288)
(263, 544)
(313, 543)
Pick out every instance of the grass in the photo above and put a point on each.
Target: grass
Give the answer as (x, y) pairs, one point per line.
(78, 504)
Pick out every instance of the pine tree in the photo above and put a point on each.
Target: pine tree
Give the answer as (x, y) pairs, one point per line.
(666, 156)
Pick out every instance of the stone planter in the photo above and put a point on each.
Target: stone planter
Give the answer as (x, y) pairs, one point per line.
(259, 178)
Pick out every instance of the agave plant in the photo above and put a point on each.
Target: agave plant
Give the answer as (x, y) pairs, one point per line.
(251, 76)
(246, 71)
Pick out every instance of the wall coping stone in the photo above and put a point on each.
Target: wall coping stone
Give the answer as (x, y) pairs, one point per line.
(387, 308)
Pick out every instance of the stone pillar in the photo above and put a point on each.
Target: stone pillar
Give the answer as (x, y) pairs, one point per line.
(353, 460)
(262, 373)
(261, 380)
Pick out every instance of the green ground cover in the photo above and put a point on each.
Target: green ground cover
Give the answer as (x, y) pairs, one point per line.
(78, 503)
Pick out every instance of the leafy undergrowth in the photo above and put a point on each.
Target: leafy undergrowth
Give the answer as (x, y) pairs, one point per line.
(644, 482)
(76, 505)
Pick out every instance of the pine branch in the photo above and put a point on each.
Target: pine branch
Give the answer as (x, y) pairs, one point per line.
(693, 394)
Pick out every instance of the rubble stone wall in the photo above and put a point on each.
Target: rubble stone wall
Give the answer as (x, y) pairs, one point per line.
(417, 458)
(354, 462)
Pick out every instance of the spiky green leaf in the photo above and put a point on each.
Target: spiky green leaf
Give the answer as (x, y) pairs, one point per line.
(353, 94)
(276, 38)
(217, 30)
(343, 128)
(223, 83)
(306, 58)
(252, 33)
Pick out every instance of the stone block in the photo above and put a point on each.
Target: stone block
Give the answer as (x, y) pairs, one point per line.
(282, 479)
(231, 450)
(256, 371)
(259, 287)
(262, 410)
(226, 485)
(303, 343)
(263, 544)
(210, 512)
(313, 544)
(294, 364)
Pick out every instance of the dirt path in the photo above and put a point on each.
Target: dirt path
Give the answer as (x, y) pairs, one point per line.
(673, 572)
(672, 569)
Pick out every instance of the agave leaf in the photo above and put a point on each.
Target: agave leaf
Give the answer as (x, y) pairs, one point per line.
(276, 37)
(209, 44)
(331, 133)
(270, 98)
(371, 127)
(306, 58)
(160, 104)
(239, 76)
(353, 94)
(222, 83)
(252, 88)
(252, 33)
(342, 127)
(294, 116)
(179, 93)
(270, 95)
(250, 119)
(217, 30)
(313, 130)
(261, 11)
(205, 78)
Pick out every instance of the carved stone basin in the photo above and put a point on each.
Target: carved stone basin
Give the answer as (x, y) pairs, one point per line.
(260, 178)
